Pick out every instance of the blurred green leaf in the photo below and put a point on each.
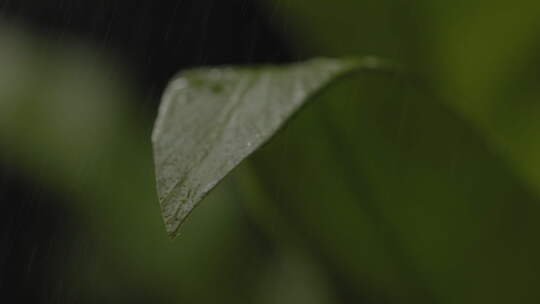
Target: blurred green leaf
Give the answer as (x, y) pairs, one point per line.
(69, 121)
(211, 119)
(480, 57)
(404, 197)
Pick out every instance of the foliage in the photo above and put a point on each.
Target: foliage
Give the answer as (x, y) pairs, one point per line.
(211, 119)
(417, 187)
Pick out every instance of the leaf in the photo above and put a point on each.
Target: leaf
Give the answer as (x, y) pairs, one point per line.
(400, 194)
(210, 119)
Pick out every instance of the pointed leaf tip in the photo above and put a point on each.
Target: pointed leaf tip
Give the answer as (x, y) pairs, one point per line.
(210, 119)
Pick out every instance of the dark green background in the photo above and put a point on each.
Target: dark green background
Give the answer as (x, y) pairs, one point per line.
(414, 187)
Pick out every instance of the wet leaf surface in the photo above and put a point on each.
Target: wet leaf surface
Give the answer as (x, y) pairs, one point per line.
(211, 119)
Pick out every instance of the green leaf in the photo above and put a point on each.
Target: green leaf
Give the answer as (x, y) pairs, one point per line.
(211, 119)
(401, 195)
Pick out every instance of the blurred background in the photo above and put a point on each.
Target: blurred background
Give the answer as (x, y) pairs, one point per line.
(415, 187)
